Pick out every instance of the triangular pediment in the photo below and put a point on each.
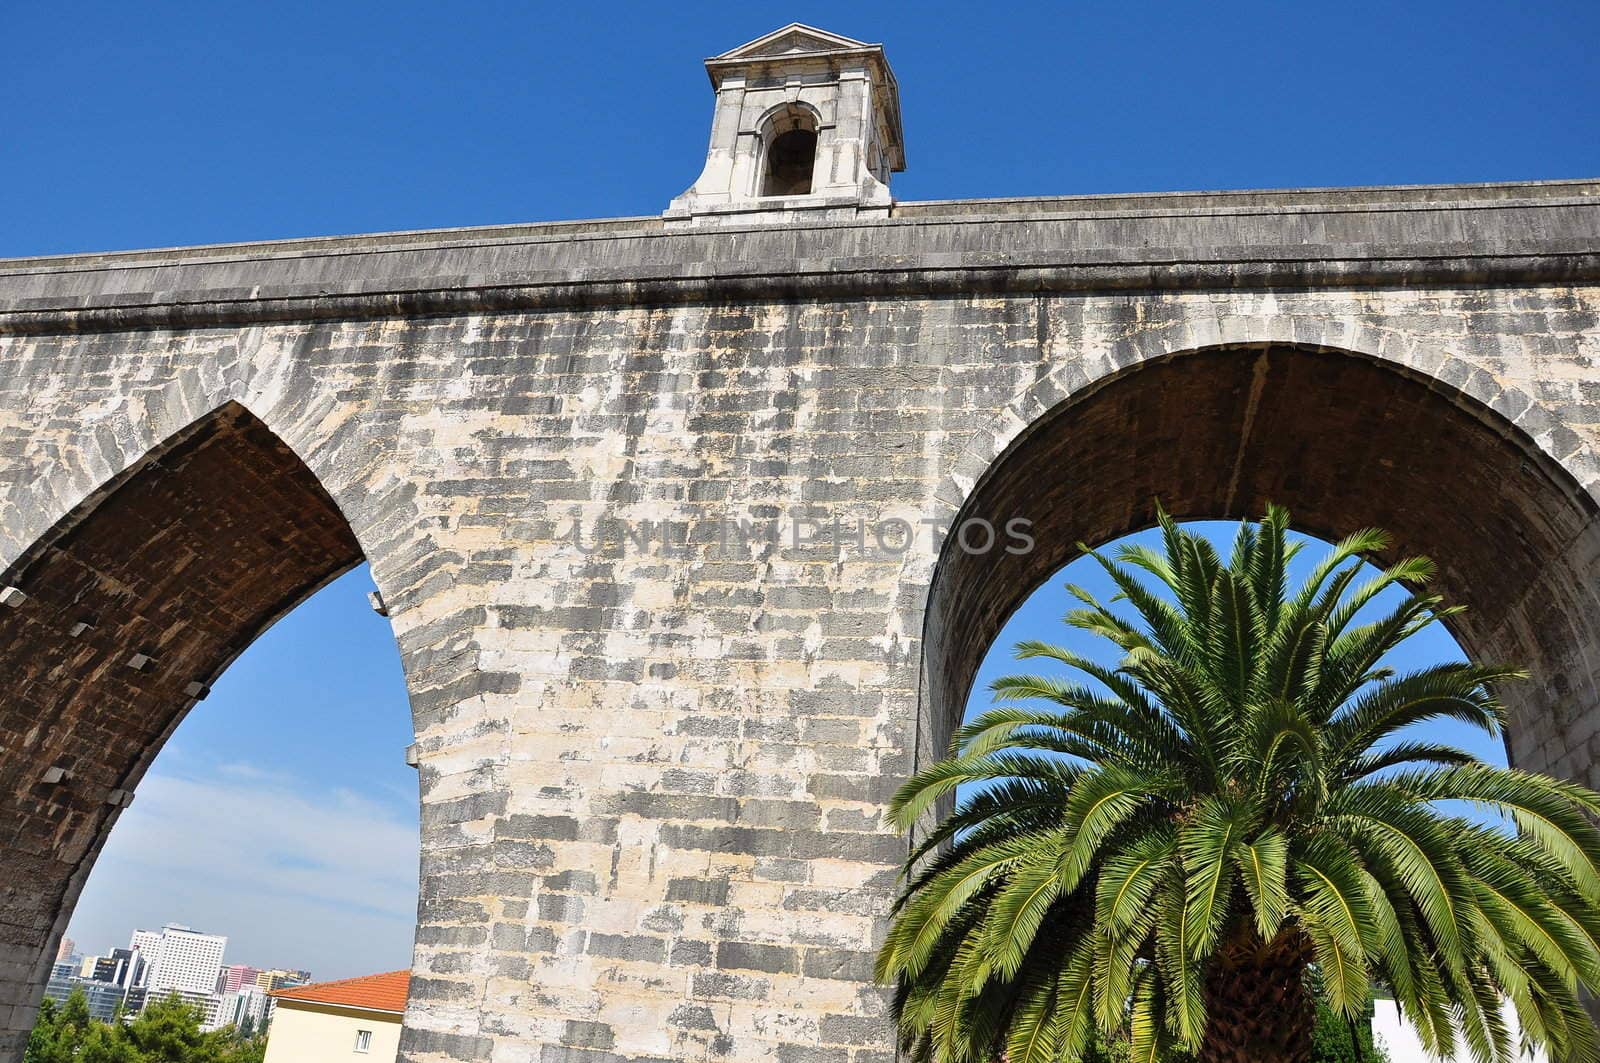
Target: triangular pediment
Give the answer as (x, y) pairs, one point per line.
(792, 39)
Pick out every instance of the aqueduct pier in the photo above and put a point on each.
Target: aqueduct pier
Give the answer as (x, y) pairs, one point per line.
(653, 766)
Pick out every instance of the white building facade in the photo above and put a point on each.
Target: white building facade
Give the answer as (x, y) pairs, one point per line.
(1400, 1039)
(180, 959)
(248, 1005)
(356, 1020)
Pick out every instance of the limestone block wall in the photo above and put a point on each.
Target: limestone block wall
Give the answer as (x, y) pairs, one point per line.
(655, 742)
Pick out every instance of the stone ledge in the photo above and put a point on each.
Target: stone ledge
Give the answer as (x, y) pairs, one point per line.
(1502, 234)
(1021, 208)
(195, 310)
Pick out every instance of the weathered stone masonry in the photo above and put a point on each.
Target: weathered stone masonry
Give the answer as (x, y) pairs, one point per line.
(652, 779)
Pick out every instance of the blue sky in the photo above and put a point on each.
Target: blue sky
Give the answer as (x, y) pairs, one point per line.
(134, 125)
(281, 813)
(160, 124)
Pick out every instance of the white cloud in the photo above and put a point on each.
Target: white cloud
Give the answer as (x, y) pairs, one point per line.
(295, 875)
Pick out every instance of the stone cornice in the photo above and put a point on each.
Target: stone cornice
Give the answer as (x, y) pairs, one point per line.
(1539, 233)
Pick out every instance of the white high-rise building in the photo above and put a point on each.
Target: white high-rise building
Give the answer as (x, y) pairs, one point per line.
(180, 959)
(249, 1004)
(147, 944)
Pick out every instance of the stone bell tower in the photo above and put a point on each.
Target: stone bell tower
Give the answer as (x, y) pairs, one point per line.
(807, 125)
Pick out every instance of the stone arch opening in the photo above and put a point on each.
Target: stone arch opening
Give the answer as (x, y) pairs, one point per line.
(121, 617)
(1344, 441)
(789, 152)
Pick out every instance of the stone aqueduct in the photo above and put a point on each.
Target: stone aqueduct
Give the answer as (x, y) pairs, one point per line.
(652, 778)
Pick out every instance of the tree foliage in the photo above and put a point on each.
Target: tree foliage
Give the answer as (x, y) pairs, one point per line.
(1183, 852)
(1337, 1039)
(1334, 1039)
(166, 1031)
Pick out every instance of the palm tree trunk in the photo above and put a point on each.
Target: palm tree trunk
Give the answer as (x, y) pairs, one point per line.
(1258, 1006)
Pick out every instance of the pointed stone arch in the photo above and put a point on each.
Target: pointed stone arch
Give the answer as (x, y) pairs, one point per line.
(124, 610)
(108, 445)
(1388, 433)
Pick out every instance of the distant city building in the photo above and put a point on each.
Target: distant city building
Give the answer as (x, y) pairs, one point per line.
(357, 1018)
(65, 949)
(236, 976)
(104, 998)
(267, 981)
(108, 983)
(174, 961)
(207, 1004)
(180, 959)
(145, 940)
(114, 968)
(146, 944)
(243, 994)
(129, 969)
(249, 1006)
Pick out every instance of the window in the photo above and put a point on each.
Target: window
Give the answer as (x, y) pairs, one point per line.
(789, 163)
(789, 149)
(363, 1040)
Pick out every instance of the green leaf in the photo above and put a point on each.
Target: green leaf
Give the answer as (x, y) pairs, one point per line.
(1147, 1040)
(1181, 977)
(920, 923)
(1208, 840)
(1019, 906)
(920, 792)
(1264, 868)
(1036, 1026)
(1337, 913)
(1130, 876)
(1232, 644)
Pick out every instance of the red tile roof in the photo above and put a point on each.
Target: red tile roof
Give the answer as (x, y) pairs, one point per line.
(375, 992)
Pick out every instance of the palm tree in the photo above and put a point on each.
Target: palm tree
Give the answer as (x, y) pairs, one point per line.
(1185, 850)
